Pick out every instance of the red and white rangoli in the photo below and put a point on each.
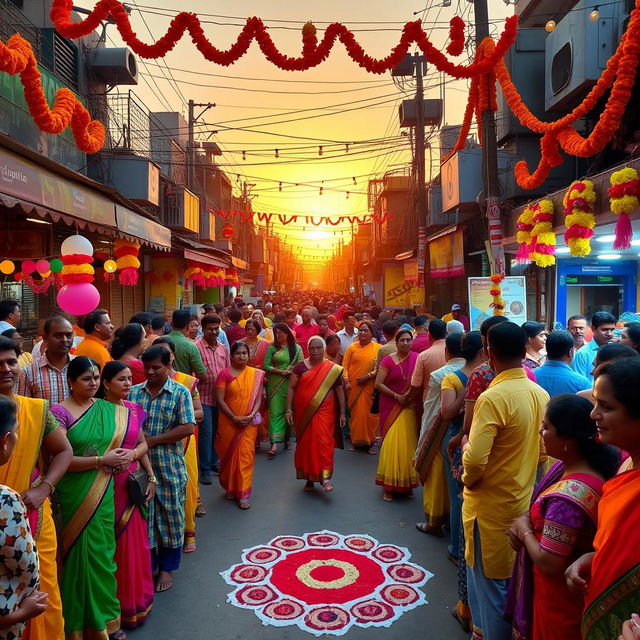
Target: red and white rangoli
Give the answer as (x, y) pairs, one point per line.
(325, 582)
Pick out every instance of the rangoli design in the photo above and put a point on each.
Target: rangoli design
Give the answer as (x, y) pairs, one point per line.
(325, 583)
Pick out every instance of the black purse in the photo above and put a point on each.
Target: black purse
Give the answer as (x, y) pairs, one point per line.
(138, 482)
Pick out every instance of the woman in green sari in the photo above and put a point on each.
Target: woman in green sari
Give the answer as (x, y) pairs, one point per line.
(96, 430)
(282, 356)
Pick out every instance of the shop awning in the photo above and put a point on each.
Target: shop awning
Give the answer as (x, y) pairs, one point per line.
(238, 263)
(143, 229)
(205, 258)
(405, 255)
(446, 253)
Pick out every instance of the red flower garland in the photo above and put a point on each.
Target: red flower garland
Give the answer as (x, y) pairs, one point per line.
(43, 285)
(126, 254)
(313, 52)
(457, 39)
(624, 194)
(496, 293)
(16, 57)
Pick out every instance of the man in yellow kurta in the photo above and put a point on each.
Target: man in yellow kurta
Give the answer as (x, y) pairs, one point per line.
(499, 474)
(37, 429)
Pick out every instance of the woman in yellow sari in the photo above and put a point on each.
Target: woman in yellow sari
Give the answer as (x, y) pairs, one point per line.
(359, 375)
(238, 395)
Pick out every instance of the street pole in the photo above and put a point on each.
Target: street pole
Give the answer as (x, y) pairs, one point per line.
(420, 148)
(490, 158)
(191, 145)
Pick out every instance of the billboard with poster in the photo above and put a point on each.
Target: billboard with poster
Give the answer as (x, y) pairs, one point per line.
(514, 293)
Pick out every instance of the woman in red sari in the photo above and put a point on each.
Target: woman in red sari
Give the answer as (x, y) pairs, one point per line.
(611, 575)
(560, 525)
(315, 407)
(257, 346)
(238, 396)
(133, 555)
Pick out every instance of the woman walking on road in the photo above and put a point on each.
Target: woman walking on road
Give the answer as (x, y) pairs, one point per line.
(315, 407)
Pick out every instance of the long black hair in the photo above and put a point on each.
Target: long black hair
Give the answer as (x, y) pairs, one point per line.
(291, 340)
(571, 416)
(126, 338)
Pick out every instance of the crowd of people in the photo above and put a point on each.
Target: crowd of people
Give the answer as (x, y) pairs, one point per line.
(526, 443)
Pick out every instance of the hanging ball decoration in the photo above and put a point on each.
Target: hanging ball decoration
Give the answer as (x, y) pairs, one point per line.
(77, 245)
(78, 299)
(18, 276)
(43, 266)
(7, 267)
(228, 231)
(110, 266)
(28, 266)
(550, 26)
(56, 265)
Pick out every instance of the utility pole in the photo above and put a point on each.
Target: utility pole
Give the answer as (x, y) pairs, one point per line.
(191, 147)
(418, 61)
(490, 157)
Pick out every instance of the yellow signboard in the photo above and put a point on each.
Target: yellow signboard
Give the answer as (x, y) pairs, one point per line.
(398, 293)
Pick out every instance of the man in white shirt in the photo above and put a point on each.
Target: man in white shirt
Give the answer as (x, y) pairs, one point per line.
(349, 334)
(9, 314)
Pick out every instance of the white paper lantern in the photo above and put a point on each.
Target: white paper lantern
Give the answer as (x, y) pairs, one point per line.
(76, 244)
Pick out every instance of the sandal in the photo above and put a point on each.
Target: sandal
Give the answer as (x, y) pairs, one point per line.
(327, 486)
(190, 547)
(244, 504)
(200, 511)
(118, 635)
(387, 497)
(272, 453)
(432, 531)
(164, 585)
(372, 451)
(309, 486)
(287, 446)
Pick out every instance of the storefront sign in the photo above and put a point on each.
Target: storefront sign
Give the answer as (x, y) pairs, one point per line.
(143, 228)
(446, 255)
(26, 180)
(399, 294)
(514, 293)
(411, 270)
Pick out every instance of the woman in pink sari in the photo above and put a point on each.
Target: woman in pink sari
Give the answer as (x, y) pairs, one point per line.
(257, 346)
(133, 555)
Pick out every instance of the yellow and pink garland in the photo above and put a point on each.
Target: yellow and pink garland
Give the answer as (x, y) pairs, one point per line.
(624, 193)
(523, 236)
(496, 293)
(578, 206)
(543, 239)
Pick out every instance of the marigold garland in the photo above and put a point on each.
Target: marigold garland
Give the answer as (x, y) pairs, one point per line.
(203, 275)
(523, 236)
(543, 240)
(77, 269)
(624, 194)
(313, 52)
(496, 293)
(578, 217)
(456, 35)
(42, 286)
(619, 76)
(231, 277)
(126, 254)
(16, 57)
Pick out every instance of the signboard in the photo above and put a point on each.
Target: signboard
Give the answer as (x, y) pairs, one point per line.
(140, 227)
(450, 185)
(514, 293)
(26, 180)
(399, 294)
(446, 255)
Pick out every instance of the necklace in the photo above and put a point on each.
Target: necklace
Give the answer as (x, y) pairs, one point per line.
(404, 375)
(82, 406)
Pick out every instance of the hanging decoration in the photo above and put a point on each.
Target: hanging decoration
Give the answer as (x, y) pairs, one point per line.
(17, 57)
(18, 276)
(543, 240)
(127, 262)
(578, 217)
(523, 236)
(28, 266)
(42, 286)
(618, 77)
(77, 296)
(231, 277)
(624, 194)
(316, 221)
(7, 267)
(456, 36)
(203, 275)
(56, 265)
(496, 294)
(313, 52)
(228, 231)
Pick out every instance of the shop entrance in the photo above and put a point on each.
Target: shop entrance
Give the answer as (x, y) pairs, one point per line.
(587, 286)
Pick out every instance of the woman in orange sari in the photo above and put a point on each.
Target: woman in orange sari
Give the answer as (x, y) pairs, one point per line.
(315, 407)
(610, 576)
(359, 378)
(238, 396)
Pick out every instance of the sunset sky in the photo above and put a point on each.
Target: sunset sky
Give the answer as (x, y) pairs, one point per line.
(261, 108)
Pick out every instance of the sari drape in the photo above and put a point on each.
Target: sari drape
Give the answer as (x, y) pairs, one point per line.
(277, 387)
(257, 353)
(541, 607)
(21, 473)
(359, 361)
(315, 421)
(133, 554)
(88, 585)
(236, 445)
(399, 429)
(614, 587)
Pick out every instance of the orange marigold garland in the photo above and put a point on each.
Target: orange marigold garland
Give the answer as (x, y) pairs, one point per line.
(457, 39)
(624, 193)
(313, 52)
(16, 57)
(578, 217)
(126, 254)
(543, 243)
(523, 236)
(496, 293)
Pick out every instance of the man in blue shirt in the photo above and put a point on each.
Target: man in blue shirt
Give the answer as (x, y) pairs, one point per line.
(602, 323)
(555, 376)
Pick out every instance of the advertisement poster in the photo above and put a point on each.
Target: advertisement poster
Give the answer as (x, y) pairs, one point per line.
(398, 293)
(514, 293)
(446, 256)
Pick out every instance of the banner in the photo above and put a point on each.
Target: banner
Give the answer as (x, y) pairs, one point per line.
(399, 294)
(514, 293)
(446, 255)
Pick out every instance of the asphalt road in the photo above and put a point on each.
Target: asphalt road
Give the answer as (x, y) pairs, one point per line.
(196, 607)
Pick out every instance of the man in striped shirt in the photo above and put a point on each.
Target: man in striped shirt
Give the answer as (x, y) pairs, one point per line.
(46, 376)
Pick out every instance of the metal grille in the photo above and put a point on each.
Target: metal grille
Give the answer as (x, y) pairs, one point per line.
(65, 60)
(12, 20)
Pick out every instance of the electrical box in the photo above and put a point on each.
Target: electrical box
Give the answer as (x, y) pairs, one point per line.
(135, 177)
(431, 110)
(114, 65)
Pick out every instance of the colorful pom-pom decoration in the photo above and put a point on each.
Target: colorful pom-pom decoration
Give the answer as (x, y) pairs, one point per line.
(624, 194)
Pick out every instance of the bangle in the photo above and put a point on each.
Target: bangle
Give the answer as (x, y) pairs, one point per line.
(98, 462)
(526, 534)
(135, 453)
(153, 479)
(50, 485)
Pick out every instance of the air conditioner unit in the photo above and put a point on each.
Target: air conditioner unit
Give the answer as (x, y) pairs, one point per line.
(431, 110)
(114, 65)
(577, 51)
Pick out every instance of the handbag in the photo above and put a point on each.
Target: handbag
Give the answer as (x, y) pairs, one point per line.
(375, 403)
(137, 482)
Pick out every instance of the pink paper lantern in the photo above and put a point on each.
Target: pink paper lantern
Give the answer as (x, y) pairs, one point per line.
(43, 266)
(78, 299)
(28, 266)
